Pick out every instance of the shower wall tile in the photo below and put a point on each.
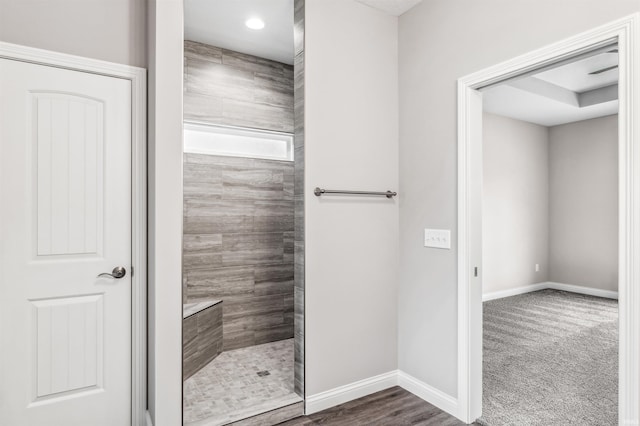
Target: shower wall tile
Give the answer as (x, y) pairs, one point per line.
(201, 181)
(231, 88)
(289, 247)
(273, 216)
(219, 282)
(253, 114)
(238, 212)
(201, 339)
(203, 108)
(239, 244)
(217, 80)
(252, 63)
(272, 334)
(204, 216)
(201, 250)
(252, 249)
(203, 51)
(253, 184)
(275, 279)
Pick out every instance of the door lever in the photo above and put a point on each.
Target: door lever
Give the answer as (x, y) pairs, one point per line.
(117, 273)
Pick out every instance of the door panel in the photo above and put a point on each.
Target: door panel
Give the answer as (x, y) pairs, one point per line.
(68, 173)
(65, 217)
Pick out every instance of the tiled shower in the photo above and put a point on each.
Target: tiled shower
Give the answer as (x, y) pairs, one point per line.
(238, 242)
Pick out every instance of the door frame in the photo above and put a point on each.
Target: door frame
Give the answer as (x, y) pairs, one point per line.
(137, 77)
(626, 32)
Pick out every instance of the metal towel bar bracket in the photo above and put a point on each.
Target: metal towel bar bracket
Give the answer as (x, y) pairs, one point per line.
(319, 191)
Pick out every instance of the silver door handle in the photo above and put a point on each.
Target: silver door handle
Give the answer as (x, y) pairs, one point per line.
(118, 272)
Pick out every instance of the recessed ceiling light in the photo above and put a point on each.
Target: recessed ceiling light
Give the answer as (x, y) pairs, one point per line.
(255, 23)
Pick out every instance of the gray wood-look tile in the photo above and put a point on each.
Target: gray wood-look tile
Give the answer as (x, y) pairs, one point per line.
(251, 63)
(289, 247)
(201, 250)
(219, 161)
(203, 108)
(203, 216)
(232, 88)
(298, 26)
(273, 216)
(202, 180)
(275, 91)
(196, 50)
(238, 212)
(257, 115)
(247, 306)
(220, 282)
(271, 334)
(220, 81)
(252, 249)
(252, 184)
(275, 279)
(201, 339)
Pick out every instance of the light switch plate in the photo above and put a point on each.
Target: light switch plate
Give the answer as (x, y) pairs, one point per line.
(437, 238)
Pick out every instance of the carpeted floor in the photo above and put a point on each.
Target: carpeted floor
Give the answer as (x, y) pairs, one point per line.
(550, 358)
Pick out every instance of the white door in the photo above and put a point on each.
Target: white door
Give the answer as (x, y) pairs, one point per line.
(65, 217)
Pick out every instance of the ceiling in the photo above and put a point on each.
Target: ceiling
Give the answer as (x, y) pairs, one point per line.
(222, 23)
(560, 95)
(392, 7)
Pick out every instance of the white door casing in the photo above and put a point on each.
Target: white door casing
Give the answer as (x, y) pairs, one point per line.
(65, 217)
(626, 33)
(470, 236)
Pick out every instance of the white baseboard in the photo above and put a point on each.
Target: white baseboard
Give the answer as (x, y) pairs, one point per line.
(583, 290)
(148, 417)
(514, 291)
(346, 393)
(552, 285)
(432, 395)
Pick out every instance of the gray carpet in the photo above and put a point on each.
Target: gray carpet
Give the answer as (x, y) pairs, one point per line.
(550, 358)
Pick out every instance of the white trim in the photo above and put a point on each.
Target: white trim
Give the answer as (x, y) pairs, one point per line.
(362, 388)
(148, 420)
(340, 395)
(626, 32)
(607, 294)
(137, 77)
(443, 401)
(513, 291)
(572, 288)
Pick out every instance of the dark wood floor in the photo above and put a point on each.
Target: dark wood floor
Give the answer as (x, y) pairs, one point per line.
(391, 407)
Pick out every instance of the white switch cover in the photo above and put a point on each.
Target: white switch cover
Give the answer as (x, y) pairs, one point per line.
(437, 238)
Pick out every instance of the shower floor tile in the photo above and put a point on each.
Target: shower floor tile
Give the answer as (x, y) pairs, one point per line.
(229, 388)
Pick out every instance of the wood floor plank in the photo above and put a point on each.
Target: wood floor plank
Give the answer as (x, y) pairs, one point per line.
(391, 407)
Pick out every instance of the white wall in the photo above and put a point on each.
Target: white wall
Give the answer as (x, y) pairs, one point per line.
(515, 216)
(165, 212)
(583, 242)
(440, 41)
(111, 30)
(351, 142)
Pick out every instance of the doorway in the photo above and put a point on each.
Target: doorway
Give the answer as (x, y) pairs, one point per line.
(242, 311)
(470, 273)
(550, 245)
